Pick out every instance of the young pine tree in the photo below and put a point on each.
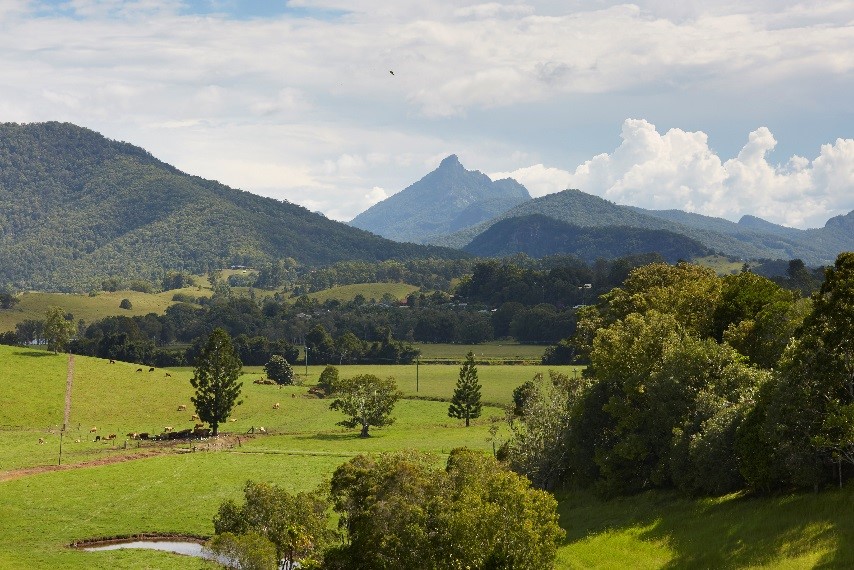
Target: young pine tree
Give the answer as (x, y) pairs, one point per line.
(215, 380)
(465, 403)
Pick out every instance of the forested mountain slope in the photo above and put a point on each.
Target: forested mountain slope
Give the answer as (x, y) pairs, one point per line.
(539, 236)
(751, 238)
(76, 207)
(446, 200)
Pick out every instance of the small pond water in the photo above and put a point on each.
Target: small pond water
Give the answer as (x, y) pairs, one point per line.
(178, 547)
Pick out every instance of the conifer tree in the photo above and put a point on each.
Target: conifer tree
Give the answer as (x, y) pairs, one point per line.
(215, 380)
(465, 403)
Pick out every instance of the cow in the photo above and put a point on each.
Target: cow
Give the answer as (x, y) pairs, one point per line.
(182, 408)
(41, 440)
(151, 369)
(139, 369)
(232, 419)
(143, 435)
(112, 361)
(93, 429)
(133, 435)
(276, 406)
(77, 440)
(168, 375)
(194, 418)
(167, 429)
(97, 438)
(261, 430)
(111, 437)
(198, 426)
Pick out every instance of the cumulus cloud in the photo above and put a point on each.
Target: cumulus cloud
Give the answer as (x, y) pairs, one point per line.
(678, 170)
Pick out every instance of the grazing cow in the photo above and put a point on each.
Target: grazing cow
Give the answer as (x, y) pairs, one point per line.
(143, 435)
(151, 369)
(261, 430)
(41, 440)
(233, 420)
(97, 438)
(276, 406)
(182, 408)
(139, 369)
(133, 435)
(194, 418)
(168, 375)
(93, 430)
(112, 361)
(167, 429)
(198, 426)
(293, 395)
(111, 437)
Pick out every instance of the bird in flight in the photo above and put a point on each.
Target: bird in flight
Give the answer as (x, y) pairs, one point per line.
(390, 71)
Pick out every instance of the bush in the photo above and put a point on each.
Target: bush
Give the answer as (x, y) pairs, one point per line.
(125, 304)
(279, 370)
(184, 298)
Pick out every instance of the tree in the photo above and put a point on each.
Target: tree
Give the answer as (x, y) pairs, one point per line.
(57, 329)
(125, 304)
(215, 380)
(465, 403)
(279, 370)
(328, 379)
(399, 511)
(295, 525)
(367, 400)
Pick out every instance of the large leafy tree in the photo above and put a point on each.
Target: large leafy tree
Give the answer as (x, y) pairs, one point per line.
(465, 403)
(399, 511)
(215, 380)
(279, 370)
(57, 329)
(367, 400)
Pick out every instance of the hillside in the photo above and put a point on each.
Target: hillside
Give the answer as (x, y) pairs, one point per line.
(446, 200)
(751, 238)
(539, 236)
(78, 207)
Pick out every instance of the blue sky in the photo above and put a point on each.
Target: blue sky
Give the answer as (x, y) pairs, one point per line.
(720, 107)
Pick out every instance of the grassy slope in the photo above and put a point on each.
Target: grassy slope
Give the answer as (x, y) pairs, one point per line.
(367, 290)
(179, 492)
(34, 305)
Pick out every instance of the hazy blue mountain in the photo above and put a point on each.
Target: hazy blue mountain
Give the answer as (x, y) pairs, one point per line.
(76, 207)
(538, 236)
(446, 200)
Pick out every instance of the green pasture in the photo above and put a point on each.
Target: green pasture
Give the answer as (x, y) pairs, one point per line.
(179, 489)
(495, 350)
(721, 264)
(368, 290)
(34, 305)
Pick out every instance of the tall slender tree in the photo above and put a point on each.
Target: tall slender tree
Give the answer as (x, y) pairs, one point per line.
(465, 403)
(215, 380)
(57, 329)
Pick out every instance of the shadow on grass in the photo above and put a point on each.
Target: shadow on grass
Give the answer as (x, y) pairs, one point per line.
(35, 353)
(726, 532)
(330, 437)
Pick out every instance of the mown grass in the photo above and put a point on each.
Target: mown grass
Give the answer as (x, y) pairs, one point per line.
(179, 490)
(34, 305)
(498, 351)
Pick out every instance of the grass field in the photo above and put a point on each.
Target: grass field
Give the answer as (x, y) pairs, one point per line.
(496, 350)
(368, 290)
(177, 489)
(34, 305)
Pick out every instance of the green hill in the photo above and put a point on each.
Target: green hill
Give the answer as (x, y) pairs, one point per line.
(78, 207)
(750, 239)
(537, 236)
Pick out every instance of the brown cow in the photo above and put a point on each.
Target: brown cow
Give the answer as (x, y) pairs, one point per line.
(182, 408)
(194, 418)
(276, 406)
(41, 440)
(93, 429)
(151, 369)
(139, 369)
(167, 429)
(111, 436)
(112, 361)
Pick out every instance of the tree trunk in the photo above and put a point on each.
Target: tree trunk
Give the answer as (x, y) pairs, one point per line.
(467, 419)
(214, 426)
(364, 431)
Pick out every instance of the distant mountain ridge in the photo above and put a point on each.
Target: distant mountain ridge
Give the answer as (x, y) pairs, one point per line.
(751, 238)
(76, 207)
(444, 201)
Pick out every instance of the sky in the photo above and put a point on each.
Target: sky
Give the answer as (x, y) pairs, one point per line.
(720, 107)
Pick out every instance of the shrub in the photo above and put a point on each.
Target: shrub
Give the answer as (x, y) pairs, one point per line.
(125, 304)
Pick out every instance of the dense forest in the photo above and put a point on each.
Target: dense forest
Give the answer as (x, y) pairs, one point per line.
(698, 382)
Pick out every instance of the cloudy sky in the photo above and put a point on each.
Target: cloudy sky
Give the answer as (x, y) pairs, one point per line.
(723, 107)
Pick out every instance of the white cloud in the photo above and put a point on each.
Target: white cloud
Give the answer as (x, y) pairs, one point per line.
(678, 170)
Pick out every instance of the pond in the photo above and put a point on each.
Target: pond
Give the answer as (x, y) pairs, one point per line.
(178, 547)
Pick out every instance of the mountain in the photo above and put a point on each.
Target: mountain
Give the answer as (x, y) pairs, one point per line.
(448, 199)
(751, 238)
(76, 207)
(537, 236)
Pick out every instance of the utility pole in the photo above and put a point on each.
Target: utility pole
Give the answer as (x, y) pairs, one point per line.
(69, 379)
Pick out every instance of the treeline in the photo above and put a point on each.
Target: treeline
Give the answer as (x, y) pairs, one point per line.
(703, 383)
